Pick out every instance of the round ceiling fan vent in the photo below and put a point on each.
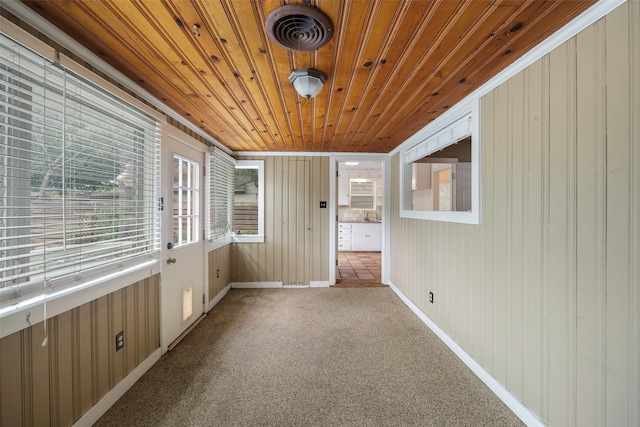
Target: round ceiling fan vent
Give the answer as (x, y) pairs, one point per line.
(299, 27)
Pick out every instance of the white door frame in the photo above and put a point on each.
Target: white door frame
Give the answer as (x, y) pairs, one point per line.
(333, 208)
(172, 136)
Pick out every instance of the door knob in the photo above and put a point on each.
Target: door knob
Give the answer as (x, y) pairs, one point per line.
(171, 261)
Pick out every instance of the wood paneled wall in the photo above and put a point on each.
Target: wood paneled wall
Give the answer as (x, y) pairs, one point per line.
(219, 270)
(545, 293)
(55, 385)
(296, 246)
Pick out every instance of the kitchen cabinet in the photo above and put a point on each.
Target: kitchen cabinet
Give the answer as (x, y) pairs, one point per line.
(344, 236)
(366, 237)
(375, 174)
(359, 173)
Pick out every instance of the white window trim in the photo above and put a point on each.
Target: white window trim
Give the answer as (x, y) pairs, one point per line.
(68, 292)
(254, 238)
(453, 129)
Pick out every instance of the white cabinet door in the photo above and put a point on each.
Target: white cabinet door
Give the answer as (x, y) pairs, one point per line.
(374, 239)
(366, 237)
(359, 173)
(359, 239)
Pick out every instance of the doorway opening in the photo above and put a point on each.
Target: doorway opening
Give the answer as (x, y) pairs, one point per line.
(359, 269)
(359, 220)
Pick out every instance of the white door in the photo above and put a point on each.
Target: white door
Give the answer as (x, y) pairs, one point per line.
(463, 187)
(343, 190)
(183, 264)
(296, 222)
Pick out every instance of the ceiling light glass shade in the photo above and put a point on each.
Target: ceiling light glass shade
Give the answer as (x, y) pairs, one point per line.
(307, 82)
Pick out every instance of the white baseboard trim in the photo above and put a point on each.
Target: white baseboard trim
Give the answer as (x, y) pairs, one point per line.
(319, 284)
(218, 297)
(103, 405)
(255, 285)
(496, 387)
(272, 285)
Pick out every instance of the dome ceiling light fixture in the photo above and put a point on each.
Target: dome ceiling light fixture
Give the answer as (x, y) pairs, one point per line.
(299, 27)
(307, 82)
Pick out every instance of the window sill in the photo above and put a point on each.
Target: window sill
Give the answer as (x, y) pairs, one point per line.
(251, 238)
(455, 217)
(219, 243)
(28, 310)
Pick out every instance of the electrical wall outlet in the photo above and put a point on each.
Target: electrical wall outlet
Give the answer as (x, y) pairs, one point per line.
(431, 297)
(119, 340)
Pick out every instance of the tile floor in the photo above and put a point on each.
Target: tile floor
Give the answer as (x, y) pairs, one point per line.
(359, 265)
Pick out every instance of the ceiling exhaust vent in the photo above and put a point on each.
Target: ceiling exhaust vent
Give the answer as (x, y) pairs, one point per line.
(299, 27)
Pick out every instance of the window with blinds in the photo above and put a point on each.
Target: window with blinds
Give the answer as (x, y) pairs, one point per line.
(362, 194)
(78, 175)
(221, 190)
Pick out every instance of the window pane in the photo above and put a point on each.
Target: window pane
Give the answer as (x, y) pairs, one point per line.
(245, 206)
(185, 201)
(221, 172)
(176, 172)
(440, 182)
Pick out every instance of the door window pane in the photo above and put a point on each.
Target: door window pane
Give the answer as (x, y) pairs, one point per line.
(186, 196)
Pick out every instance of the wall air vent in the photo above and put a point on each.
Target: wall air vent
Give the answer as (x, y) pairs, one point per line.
(299, 27)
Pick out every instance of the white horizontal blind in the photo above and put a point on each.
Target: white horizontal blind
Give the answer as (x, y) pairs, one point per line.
(362, 194)
(221, 189)
(78, 174)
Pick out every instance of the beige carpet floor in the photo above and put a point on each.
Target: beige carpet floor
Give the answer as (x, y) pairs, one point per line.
(310, 357)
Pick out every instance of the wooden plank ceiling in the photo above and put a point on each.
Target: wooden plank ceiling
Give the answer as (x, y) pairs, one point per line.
(392, 66)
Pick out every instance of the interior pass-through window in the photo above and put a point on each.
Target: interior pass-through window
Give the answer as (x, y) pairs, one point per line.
(440, 178)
